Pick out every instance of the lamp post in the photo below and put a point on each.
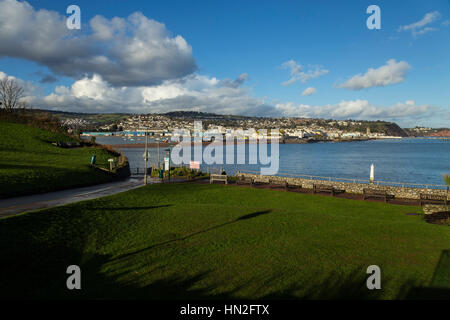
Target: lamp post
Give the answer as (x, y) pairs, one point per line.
(146, 157)
(159, 162)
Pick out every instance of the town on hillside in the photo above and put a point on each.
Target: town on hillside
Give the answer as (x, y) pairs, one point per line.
(291, 129)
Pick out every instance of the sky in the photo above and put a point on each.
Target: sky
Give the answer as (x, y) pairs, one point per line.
(259, 58)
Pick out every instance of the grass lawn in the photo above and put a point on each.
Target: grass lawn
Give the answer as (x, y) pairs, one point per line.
(212, 241)
(29, 163)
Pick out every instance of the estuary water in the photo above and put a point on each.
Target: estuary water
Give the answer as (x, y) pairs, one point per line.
(409, 160)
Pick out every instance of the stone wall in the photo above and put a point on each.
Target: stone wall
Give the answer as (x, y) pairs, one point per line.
(398, 192)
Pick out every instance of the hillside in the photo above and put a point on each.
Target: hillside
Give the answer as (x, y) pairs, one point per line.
(441, 133)
(29, 163)
(94, 121)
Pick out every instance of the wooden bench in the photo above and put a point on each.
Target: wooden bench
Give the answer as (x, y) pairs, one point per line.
(278, 184)
(259, 182)
(433, 198)
(244, 180)
(319, 187)
(376, 193)
(218, 177)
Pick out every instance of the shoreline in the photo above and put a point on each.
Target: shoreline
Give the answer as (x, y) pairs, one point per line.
(205, 143)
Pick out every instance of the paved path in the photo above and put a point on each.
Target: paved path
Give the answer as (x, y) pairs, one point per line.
(18, 205)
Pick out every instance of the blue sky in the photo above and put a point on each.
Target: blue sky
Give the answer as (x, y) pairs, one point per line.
(254, 38)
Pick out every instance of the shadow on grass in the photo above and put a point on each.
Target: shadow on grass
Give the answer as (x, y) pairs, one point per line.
(46, 279)
(245, 217)
(33, 269)
(130, 208)
(440, 284)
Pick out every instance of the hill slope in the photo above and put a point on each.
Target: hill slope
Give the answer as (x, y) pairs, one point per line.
(29, 163)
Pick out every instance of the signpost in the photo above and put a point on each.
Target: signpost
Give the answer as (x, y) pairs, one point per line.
(166, 163)
(194, 165)
(111, 161)
(167, 160)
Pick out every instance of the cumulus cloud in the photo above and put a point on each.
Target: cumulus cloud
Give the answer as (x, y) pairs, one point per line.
(309, 91)
(418, 28)
(392, 72)
(135, 51)
(30, 90)
(357, 109)
(209, 94)
(297, 73)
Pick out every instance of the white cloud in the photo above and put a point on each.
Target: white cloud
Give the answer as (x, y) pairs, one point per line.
(297, 73)
(309, 91)
(29, 88)
(356, 109)
(392, 72)
(423, 31)
(209, 94)
(417, 28)
(135, 51)
(446, 22)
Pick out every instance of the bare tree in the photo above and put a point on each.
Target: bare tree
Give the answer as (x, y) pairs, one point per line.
(10, 95)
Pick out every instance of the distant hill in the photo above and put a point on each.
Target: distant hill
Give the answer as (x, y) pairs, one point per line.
(98, 119)
(202, 115)
(93, 118)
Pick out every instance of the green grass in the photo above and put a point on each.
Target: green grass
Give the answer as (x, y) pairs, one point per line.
(187, 241)
(29, 163)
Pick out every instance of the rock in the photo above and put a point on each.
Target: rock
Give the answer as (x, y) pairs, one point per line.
(433, 208)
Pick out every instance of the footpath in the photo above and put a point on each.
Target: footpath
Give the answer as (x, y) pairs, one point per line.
(16, 205)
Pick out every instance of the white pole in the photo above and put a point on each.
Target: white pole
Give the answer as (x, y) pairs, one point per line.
(146, 157)
(372, 173)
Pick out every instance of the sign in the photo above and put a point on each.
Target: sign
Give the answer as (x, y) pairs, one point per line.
(166, 163)
(194, 165)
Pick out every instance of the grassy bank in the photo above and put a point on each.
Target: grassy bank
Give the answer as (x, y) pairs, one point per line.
(29, 163)
(213, 241)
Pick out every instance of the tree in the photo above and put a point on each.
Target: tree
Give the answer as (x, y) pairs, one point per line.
(11, 94)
